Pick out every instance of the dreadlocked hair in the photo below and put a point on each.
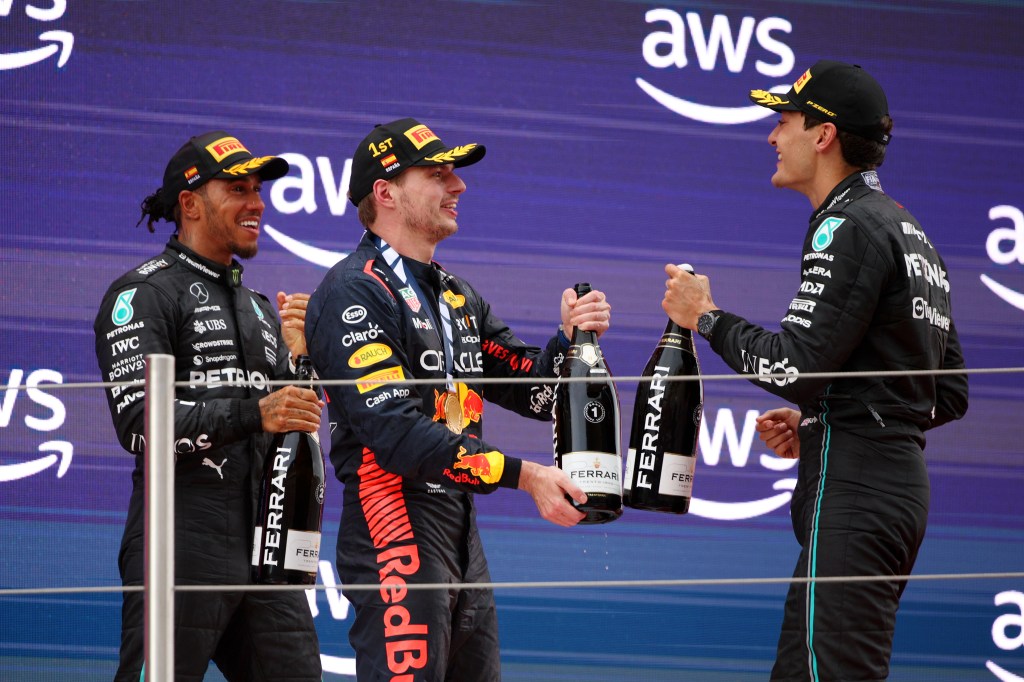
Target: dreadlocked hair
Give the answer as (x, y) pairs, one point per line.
(154, 208)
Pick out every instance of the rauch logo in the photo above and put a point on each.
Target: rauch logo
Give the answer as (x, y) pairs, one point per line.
(665, 49)
(1013, 237)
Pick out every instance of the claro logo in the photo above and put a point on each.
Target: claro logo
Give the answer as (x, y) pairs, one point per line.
(297, 193)
(707, 41)
(1005, 246)
(50, 43)
(1008, 632)
(51, 419)
(738, 442)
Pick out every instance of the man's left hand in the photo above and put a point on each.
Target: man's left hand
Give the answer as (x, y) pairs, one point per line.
(591, 312)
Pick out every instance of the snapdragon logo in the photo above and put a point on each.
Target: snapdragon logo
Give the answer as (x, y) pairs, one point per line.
(50, 419)
(707, 40)
(1013, 252)
(338, 609)
(51, 42)
(299, 192)
(738, 444)
(1008, 632)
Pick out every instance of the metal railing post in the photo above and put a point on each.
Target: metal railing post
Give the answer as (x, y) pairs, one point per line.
(159, 554)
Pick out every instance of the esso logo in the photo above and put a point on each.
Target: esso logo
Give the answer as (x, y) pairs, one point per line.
(1005, 246)
(679, 37)
(354, 314)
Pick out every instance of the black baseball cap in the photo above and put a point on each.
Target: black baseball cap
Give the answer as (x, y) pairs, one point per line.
(391, 148)
(843, 94)
(215, 154)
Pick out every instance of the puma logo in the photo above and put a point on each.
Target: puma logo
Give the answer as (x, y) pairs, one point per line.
(207, 462)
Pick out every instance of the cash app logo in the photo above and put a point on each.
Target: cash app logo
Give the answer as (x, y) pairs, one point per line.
(123, 311)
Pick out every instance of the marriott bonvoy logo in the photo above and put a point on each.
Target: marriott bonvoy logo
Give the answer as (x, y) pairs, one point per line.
(679, 38)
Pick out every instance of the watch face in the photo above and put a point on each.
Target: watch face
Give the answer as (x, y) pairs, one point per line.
(705, 323)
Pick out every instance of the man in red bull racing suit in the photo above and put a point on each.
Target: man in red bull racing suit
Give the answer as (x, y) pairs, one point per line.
(874, 297)
(412, 455)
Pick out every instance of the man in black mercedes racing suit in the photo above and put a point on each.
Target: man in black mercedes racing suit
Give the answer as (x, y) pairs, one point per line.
(227, 343)
(412, 455)
(874, 297)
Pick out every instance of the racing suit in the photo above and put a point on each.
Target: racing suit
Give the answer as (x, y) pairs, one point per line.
(412, 455)
(218, 331)
(873, 297)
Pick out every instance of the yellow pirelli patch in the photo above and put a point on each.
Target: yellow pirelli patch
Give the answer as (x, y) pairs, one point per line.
(379, 378)
(420, 136)
(802, 81)
(225, 147)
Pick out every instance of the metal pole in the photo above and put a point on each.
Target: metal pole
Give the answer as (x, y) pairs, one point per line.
(159, 555)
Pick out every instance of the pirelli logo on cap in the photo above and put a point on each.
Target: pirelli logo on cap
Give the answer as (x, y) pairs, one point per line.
(377, 379)
(802, 81)
(420, 136)
(225, 147)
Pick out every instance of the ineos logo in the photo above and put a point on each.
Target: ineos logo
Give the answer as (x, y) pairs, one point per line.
(354, 314)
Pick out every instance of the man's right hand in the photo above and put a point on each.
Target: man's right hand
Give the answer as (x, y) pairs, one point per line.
(548, 486)
(291, 409)
(778, 429)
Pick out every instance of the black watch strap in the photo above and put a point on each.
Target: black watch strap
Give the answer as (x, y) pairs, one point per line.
(706, 323)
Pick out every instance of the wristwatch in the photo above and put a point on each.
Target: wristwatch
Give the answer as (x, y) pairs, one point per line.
(706, 323)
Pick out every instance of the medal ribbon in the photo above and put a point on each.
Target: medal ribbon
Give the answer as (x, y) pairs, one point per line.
(395, 262)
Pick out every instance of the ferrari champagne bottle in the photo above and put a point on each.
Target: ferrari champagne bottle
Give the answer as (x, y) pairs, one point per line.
(286, 541)
(586, 426)
(666, 423)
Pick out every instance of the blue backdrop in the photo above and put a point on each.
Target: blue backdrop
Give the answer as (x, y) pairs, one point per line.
(619, 138)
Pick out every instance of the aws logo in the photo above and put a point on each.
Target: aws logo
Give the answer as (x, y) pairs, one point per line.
(53, 42)
(738, 443)
(1013, 238)
(1008, 632)
(300, 192)
(60, 451)
(679, 38)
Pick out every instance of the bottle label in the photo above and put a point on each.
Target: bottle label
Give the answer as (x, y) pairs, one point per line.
(594, 472)
(627, 483)
(302, 551)
(677, 475)
(257, 541)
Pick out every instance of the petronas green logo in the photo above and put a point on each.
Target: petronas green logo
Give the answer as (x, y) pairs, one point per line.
(259, 313)
(123, 310)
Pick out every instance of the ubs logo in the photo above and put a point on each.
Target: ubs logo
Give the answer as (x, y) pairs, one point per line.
(663, 49)
(51, 42)
(1013, 237)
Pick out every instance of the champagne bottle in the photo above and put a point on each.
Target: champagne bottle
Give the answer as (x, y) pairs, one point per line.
(662, 451)
(586, 427)
(286, 541)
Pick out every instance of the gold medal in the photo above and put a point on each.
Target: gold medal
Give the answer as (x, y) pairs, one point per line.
(453, 412)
